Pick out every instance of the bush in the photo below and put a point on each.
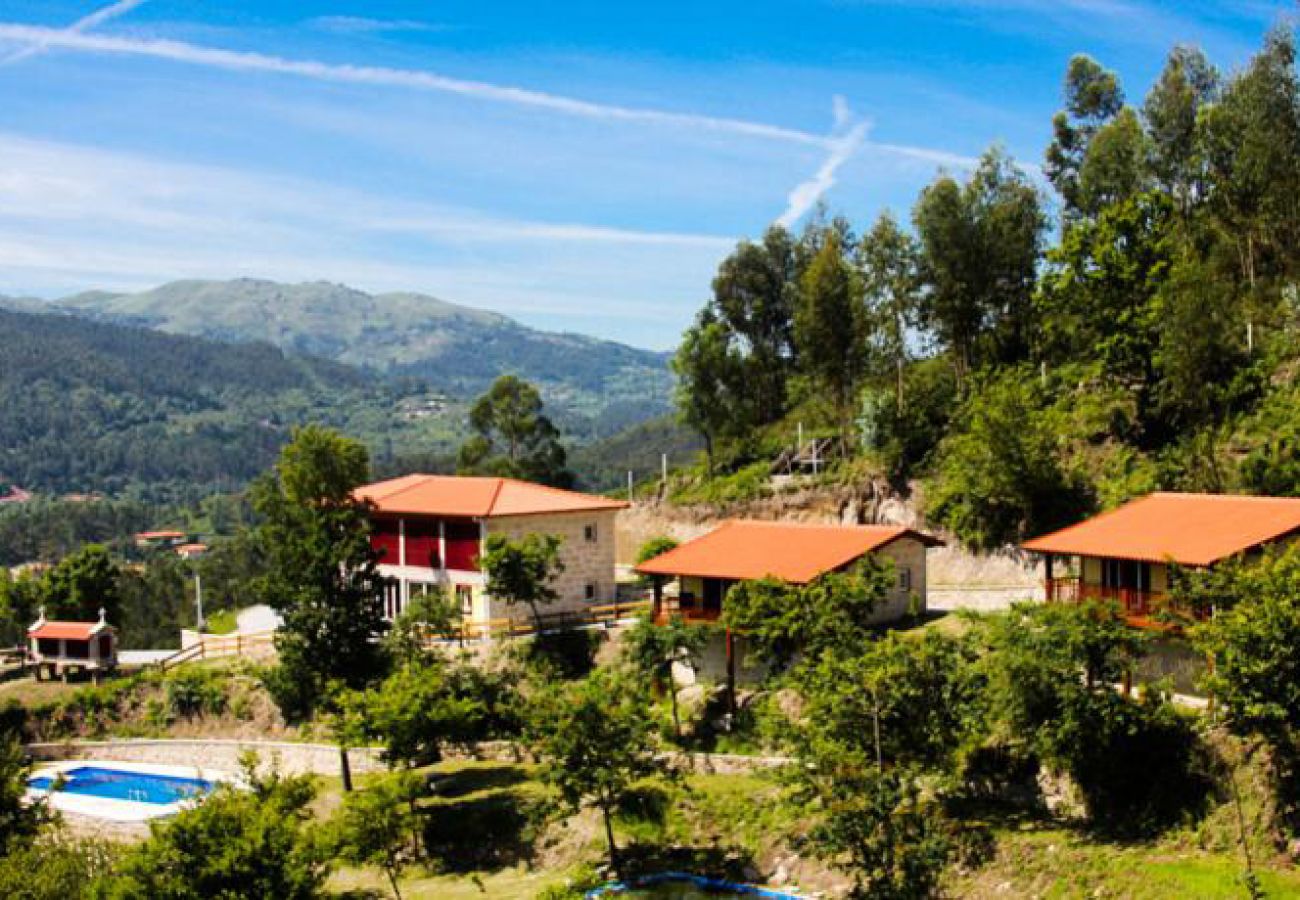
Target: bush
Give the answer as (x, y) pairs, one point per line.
(55, 869)
(194, 691)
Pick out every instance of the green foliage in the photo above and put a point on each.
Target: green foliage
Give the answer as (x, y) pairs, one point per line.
(876, 825)
(830, 327)
(47, 531)
(55, 868)
(1255, 677)
(652, 651)
(596, 743)
(780, 620)
(191, 691)
(236, 844)
(900, 699)
(1052, 672)
(998, 476)
(522, 571)
(379, 826)
(655, 546)
(425, 618)
(321, 573)
(980, 245)
(418, 709)
(513, 437)
(81, 585)
(20, 821)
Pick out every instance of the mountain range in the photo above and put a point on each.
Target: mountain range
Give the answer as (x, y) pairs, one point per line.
(594, 385)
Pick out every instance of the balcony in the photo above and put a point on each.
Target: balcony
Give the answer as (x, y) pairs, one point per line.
(1145, 609)
(691, 610)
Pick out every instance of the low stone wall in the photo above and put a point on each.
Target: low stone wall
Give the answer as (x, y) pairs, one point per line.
(323, 759)
(222, 755)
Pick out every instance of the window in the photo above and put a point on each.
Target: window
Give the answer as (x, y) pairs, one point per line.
(589, 534)
(904, 579)
(591, 590)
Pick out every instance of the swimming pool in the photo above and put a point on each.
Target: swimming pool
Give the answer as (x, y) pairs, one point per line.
(683, 886)
(124, 792)
(115, 784)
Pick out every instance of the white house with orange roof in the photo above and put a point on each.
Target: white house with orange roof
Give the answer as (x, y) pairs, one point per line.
(432, 529)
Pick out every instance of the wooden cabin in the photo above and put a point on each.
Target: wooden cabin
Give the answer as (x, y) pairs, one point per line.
(58, 649)
(706, 568)
(1125, 555)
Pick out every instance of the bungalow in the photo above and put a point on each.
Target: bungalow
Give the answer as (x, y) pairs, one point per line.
(431, 530)
(58, 648)
(741, 550)
(1124, 555)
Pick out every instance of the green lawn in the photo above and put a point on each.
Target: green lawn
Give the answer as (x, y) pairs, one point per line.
(223, 621)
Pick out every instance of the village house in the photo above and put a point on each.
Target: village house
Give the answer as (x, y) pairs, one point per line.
(1125, 554)
(431, 531)
(705, 569)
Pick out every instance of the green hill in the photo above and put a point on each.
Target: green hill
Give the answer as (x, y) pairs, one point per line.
(90, 406)
(592, 386)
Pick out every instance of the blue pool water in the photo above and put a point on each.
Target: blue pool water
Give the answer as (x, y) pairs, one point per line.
(681, 886)
(115, 784)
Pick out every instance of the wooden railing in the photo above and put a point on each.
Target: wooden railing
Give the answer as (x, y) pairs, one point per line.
(691, 611)
(1141, 607)
(586, 617)
(212, 647)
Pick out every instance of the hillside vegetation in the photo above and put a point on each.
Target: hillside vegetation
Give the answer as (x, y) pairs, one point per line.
(92, 406)
(1031, 357)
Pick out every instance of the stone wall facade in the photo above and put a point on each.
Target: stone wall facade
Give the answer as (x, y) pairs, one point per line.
(908, 592)
(587, 541)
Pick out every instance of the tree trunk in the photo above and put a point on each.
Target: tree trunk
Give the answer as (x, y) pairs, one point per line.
(672, 693)
(392, 879)
(345, 769)
(609, 837)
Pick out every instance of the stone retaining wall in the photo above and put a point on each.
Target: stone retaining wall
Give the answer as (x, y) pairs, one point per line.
(222, 755)
(323, 759)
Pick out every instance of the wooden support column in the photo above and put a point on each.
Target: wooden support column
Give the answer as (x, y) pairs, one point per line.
(731, 675)
(1047, 577)
(657, 586)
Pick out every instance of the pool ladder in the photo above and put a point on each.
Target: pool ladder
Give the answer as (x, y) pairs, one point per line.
(139, 795)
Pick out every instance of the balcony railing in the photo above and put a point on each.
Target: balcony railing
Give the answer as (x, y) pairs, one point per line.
(1140, 607)
(692, 611)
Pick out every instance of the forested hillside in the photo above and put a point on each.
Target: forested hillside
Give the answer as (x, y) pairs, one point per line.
(1034, 353)
(94, 407)
(592, 386)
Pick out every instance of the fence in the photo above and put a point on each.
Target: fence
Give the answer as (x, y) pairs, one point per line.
(591, 616)
(212, 647)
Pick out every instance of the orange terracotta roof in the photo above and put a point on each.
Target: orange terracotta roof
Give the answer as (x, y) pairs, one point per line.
(477, 497)
(68, 631)
(743, 550)
(155, 535)
(1189, 529)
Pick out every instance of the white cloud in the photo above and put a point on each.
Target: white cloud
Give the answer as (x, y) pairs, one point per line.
(85, 23)
(365, 25)
(413, 79)
(847, 141)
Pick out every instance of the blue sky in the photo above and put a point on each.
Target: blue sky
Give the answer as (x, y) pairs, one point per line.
(580, 166)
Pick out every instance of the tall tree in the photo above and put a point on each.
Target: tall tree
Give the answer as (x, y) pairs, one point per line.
(653, 650)
(708, 370)
(1251, 143)
(515, 438)
(322, 574)
(1115, 167)
(980, 246)
(754, 295)
(830, 328)
(1093, 97)
(1186, 85)
(82, 584)
(888, 258)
